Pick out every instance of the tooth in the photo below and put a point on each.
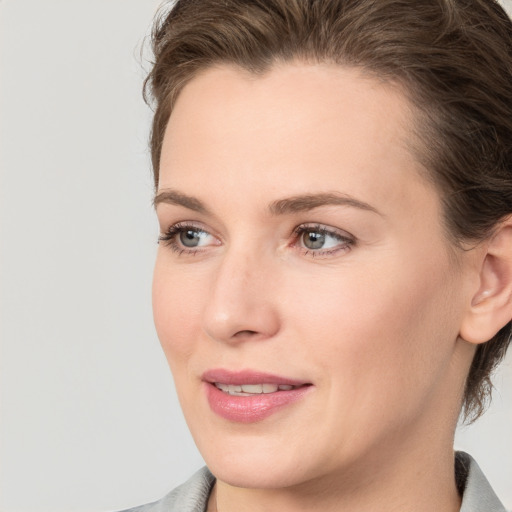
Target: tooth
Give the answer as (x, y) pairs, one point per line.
(236, 393)
(252, 388)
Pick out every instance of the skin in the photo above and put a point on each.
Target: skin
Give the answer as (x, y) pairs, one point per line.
(373, 322)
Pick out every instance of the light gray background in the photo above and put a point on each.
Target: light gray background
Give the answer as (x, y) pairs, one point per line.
(89, 419)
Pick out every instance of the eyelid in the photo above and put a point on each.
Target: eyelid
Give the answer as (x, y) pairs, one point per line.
(170, 234)
(346, 240)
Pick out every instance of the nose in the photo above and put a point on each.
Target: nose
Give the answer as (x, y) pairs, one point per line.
(242, 302)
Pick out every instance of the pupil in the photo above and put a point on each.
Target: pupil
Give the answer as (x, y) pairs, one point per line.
(189, 238)
(314, 240)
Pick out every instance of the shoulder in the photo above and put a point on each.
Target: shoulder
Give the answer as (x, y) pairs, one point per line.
(192, 496)
(477, 493)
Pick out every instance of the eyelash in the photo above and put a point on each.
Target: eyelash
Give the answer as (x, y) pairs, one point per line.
(346, 241)
(169, 238)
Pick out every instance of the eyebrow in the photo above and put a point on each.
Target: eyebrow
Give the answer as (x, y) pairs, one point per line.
(170, 196)
(308, 202)
(294, 204)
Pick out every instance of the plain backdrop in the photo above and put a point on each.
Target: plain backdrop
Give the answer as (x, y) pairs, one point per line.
(89, 418)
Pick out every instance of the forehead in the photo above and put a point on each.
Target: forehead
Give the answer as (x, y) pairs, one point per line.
(296, 126)
(293, 97)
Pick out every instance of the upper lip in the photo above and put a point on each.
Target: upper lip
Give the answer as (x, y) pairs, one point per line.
(248, 377)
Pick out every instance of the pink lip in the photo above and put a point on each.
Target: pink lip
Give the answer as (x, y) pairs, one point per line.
(248, 377)
(250, 409)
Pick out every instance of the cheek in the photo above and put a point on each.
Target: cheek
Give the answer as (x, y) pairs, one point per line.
(176, 311)
(386, 333)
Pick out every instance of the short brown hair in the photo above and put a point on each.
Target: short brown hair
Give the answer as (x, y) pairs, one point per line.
(452, 57)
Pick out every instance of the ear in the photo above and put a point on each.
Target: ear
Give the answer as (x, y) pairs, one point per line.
(491, 303)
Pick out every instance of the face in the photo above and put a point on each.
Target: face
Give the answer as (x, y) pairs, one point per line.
(304, 292)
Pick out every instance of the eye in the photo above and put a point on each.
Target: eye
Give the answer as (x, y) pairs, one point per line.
(187, 238)
(317, 240)
(320, 240)
(192, 237)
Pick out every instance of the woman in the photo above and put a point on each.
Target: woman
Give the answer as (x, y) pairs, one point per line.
(334, 278)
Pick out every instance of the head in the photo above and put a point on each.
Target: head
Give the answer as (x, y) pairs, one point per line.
(453, 60)
(443, 69)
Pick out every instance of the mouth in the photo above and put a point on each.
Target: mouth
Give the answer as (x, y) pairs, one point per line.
(254, 389)
(250, 396)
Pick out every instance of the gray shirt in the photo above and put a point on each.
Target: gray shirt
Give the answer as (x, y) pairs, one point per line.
(192, 496)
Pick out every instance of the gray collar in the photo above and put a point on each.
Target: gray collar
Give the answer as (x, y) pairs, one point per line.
(477, 493)
(192, 496)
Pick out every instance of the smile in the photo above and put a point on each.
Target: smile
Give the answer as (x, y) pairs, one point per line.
(250, 396)
(252, 389)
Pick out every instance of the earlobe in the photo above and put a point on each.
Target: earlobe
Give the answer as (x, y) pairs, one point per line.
(491, 304)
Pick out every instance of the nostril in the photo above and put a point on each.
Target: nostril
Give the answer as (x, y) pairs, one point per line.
(241, 334)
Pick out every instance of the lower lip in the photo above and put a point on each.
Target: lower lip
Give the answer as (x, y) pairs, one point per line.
(253, 408)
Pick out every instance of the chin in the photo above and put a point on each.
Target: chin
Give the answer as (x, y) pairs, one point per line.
(270, 473)
(258, 461)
